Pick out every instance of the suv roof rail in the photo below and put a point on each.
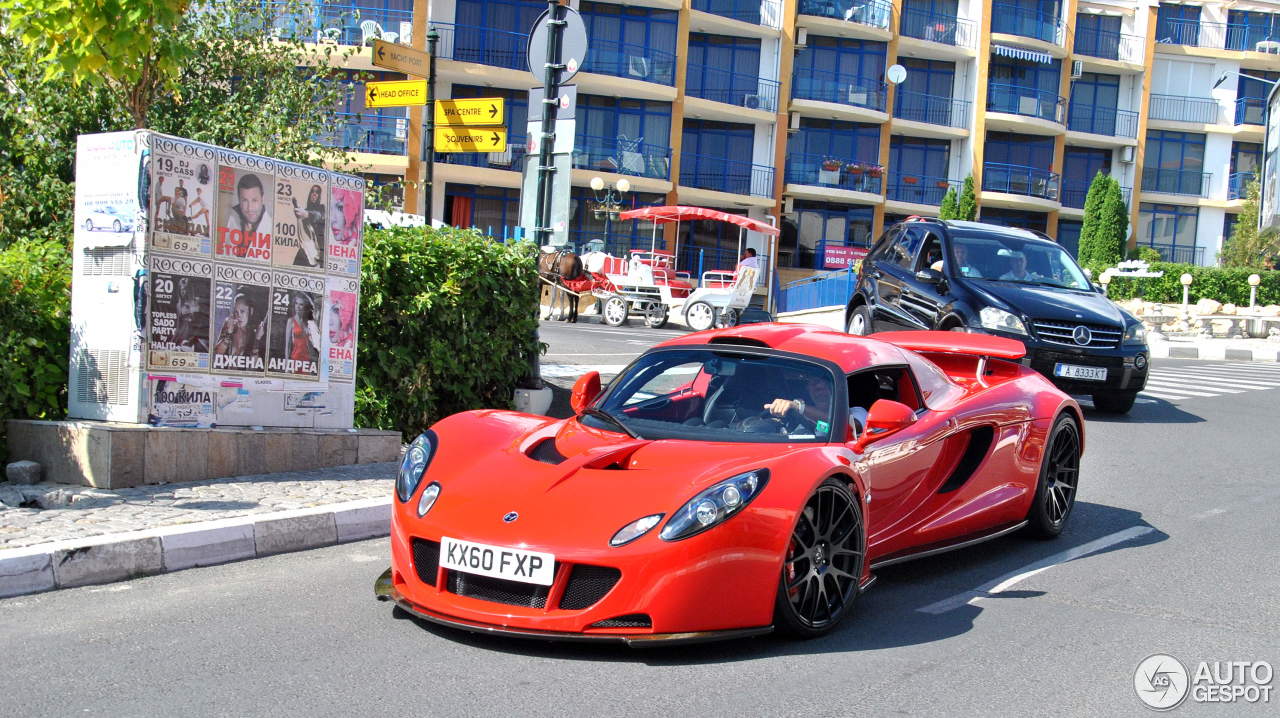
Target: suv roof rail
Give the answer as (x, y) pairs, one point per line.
(919, 218)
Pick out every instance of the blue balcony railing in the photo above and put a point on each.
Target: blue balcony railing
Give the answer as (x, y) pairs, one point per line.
(342, 23)
(632, 61)
(1108, 45)
(1178, 253)
(1171, 181)
(837, 172)
(1102, 120)
(937, 27)
(841, 89)
(876, 13)
(933, 109)
(725, 175)
(1218, 35)
(756, 12)
(1020, 179)
(733, 88)
(512, 159)
(825, 290)
(696, 259)
(920, 189)
(1178, 108)
(369, 132)
(622, 156)
(1251, 111)
(1026, 101)
(1238, 184)
(1011, 19)
(1075, 193)
(481, 45)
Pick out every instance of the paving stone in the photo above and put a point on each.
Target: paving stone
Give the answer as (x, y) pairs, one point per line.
(24, 472)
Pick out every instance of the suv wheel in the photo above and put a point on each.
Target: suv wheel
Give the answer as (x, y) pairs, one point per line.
(860, 321)
(1118, 403)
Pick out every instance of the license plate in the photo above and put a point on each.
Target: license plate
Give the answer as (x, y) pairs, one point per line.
(512, 564)
(1073, 371)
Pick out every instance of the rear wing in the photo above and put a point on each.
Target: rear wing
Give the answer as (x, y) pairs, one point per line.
(979, 345)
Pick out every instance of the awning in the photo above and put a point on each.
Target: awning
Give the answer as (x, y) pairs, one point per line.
(1019, 53)
(676, 213)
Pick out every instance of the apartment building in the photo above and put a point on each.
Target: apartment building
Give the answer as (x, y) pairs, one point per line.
(782, 109)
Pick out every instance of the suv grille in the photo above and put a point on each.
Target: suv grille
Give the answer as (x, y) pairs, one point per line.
(588, 584)
(1063, 333)
(426, 559)
(498, 590)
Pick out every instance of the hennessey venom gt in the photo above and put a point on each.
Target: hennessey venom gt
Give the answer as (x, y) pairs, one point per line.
(727, 483)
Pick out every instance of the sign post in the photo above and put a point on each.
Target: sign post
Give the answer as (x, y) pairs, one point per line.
(396, 93)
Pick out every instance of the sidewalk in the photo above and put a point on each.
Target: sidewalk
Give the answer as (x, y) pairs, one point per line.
(1198, 347)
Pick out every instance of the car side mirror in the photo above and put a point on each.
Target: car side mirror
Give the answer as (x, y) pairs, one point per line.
(885, 418)
(585, 391)
(930, 275)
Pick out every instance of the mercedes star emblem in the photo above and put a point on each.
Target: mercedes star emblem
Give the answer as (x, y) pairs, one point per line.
(1082, 335)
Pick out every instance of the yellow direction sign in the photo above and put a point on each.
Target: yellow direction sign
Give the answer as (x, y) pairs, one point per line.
(461, 139)
(400, 58)
(399, 93)
(471, 113)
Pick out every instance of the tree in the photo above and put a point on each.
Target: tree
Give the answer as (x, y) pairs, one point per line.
(1105, 229)
(949, 209)
(967, 206)
(1247, 247)
(1089, 227)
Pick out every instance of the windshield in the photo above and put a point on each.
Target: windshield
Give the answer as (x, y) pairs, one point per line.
(1012, 259)
(706, 395)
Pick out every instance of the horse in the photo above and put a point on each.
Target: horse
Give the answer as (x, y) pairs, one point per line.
(555, 266)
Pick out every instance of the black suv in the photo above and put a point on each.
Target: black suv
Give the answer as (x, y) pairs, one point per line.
(969, 276)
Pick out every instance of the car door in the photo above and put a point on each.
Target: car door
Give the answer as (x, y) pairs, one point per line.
(920, 300)
(891, 274)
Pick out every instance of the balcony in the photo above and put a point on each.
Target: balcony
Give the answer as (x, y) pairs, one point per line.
(622, 156)
(1025, 101)
(369, 132)
(1020, 179)
(1097, 120)
(732, 88)
(1238, 184)
(756, 12)
(931, 109)
(838, 173)
(1108, 45)
(724, 175)
(920, 189)
(937, 27)
(632, 61)
(842, 90)
(1074, 194)
(345, 24)
(1215, 35)
(481, 45)
(1177, 108)
(1251, 111)
(1170, 181)
(512, 159)
(1179, 254)
(876, 13)
(1010, 19)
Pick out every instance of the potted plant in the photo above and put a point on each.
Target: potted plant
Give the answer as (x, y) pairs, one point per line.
(909, 179)
(856, 168)
(831, 164)
(874, 170)
(943, 184)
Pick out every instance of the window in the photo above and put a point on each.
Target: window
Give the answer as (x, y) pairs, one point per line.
(1246, 29)
(1021, 150)
(1229, 225)
(834, 69)
(724, 69)
(1079, 166)
(1170, 228)
(1094, 100)
(834, 138)
(1027, 75)
(905, 248)
(1174, 162)
(1178, 24)
(919, 157)
(492, 209)
(612, 118)
(819, 224)
(1246, 157)
(504, 15)
(638, 43)
(1098, 35)
(1069, 236)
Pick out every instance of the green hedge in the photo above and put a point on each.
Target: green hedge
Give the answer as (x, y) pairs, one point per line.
(1222, 284)
(447, 321)
(35, 328)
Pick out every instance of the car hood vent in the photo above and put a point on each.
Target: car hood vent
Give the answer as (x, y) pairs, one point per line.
(546, 452)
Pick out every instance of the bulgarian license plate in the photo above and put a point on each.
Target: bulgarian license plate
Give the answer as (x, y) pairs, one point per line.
(1074, 371)
(512, 564)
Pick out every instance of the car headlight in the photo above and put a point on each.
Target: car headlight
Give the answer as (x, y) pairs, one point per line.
(715, 505)
(413, 465)
(428, 498)
(1135, 335)
(1001, 320)
(634, 530)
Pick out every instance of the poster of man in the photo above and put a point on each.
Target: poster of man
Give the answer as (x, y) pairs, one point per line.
(346, 225)
(300, 212)
(241, 296)
(182, 195)
(340, 345)
(296, 302)
(244, 206)
(179, 315)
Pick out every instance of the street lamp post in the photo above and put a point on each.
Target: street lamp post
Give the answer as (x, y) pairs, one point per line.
(609, 201)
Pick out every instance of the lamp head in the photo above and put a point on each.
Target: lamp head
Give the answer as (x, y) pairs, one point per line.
(624, 185)
(1254, 280)
(1185, 279)
(597, 184)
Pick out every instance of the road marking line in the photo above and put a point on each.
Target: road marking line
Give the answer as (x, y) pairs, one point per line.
(1207, 514)
(1214, 381)
(1178, 385)
(1225, 369)
(1008, 580)
(1163, 395)
(1172, 386)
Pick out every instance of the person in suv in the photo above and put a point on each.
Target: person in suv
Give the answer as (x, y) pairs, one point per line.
(972, 277)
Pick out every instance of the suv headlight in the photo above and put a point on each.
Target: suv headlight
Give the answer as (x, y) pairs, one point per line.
(715, 505)
(1135, 335)
(1000, 320)
(414, 464)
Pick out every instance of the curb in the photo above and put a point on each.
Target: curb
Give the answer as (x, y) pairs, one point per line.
(117, 557)
(1172, 350)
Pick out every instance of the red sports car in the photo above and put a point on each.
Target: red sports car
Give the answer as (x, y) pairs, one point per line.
(728, 483)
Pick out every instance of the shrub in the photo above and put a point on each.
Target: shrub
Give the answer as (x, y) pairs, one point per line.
(35, 327)
(967, 204)
(448, 322)
(1226, 285)
(1106, 224)
(950, 205)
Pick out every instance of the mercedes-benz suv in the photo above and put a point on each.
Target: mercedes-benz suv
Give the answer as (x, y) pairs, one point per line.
(969, 276)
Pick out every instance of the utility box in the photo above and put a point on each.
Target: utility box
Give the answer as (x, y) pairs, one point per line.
(212, 287)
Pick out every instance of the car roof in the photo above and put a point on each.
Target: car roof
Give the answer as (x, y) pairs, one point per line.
(965, 228)
(846, 351)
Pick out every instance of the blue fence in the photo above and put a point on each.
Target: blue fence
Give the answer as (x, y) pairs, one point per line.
(1074, 194)
(1251, 111)
(696, 259)
(1238, 184)
(481, 45)
(369, 132)
(1102, 120)
(1179, 108)
(1026, 101)
(622, 156)
(937, 27)
(512, 159)
(725, 175)
(823, 290)
(757, 12)
(345, 23)
(841, 89)
(733, 88)
(1020, 179)
(1108, 44)
(1014, 20)
(1171, 181)
(920, 189)
(834, 172)
(875, 13)
(1180, 254)
(933, 109)
(1219, 35)
(632, 61)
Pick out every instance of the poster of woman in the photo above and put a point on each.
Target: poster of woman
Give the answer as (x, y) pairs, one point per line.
(301, 209)
(340, 346)
(296, 305)
(241, 296)
(346, 225)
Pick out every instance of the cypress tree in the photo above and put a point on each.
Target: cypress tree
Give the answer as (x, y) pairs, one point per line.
(948, 210)
(967, 206)
(1113, 226)
(1090, 253)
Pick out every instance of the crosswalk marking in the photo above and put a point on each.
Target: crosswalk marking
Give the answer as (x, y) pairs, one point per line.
(1243, 383)
(1210, 379)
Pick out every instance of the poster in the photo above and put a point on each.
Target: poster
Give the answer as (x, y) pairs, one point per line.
(296, 301)
(301, 210)
(107, 207)
(241, 309)
(178, 318)
(181, 401)
(346, 225)
(342, 305)
(182, 195)
(244, 206)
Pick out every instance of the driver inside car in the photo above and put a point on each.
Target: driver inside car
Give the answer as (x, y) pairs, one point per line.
(816, 407)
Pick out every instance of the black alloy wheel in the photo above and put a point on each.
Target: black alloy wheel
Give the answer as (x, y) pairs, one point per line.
(822, 569)
(1059, 477)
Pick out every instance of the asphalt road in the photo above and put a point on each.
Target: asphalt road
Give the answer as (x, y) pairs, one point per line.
(1175, 526)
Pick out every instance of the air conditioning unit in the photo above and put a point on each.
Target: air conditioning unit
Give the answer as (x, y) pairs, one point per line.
(1077, 69)
(637, 66)
(789, 205)
(751, 102)
(1126, 155)
(857, 96)
(802, 37)
(793, 125)
(501, 158)
(1029, 106)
